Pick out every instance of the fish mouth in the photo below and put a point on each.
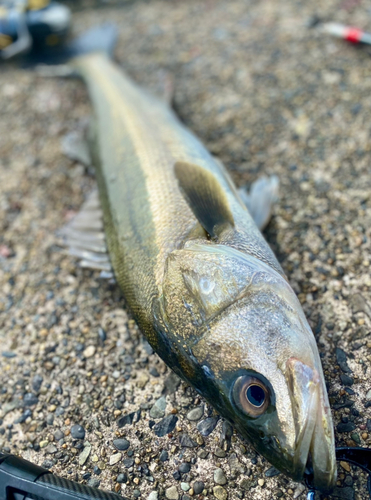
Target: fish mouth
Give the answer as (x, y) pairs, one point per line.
(314, 449)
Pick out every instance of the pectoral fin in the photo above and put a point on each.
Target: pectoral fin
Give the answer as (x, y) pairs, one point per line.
(205, 196)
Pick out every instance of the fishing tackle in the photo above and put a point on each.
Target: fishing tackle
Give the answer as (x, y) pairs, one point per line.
(360, 457)
(22, 480)
(32, 25)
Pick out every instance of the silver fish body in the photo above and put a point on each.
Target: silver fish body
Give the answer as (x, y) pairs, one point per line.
(202, 283)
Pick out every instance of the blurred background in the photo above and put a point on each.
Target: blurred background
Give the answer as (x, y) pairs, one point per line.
(267, 91)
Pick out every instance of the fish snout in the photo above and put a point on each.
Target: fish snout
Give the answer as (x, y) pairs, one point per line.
(314, 448)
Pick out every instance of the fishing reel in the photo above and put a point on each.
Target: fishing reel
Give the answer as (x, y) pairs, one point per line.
(27, 25)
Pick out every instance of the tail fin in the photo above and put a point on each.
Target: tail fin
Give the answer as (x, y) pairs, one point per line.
(101, 38)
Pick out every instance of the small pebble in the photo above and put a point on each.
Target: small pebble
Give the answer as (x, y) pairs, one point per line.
(198, 487)
(172, 493)
(142, 380)
(30, 399)
(114, 459)
(8, 354)
(220, 453)
(89, 351)
(165, 426)
(47, 464)
(185, 486)
(122, 478)
(345, 466)
(195, 414)
(261, 482)
(121, 444)
(77, 432)
(51, 449)
(207, 425)
(158, 409)
(220, 493)
(153, 495)
(58, 434)
(219, 476)
(36, 382)
(271, 472)
(164, 456)
(187, 442)
(184, 468)
(84, 455)
(93, 482)
(345, 427)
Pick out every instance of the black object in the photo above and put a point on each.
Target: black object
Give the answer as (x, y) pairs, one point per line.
(360, 457)
(32, 25)
(22, 480)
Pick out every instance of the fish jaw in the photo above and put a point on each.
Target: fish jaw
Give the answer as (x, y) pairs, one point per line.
(314, 440)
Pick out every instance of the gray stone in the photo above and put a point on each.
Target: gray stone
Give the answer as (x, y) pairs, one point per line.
(93, 482)
(341, 358)
(77, 431)
(207, 425)
(198, 487)
(271, 472)
(153, 495)
(158, 409)
(345, 427)
(165, 426)
(85, 453)
(36, 382)
(58, 434)
(172, 493)
(121, 444)
(164, 456)
(195, 414)
(51, 449)
(219, 476)
(171, 383)
(187, 442)
(184, 468)
(115, 458)
(30, 399)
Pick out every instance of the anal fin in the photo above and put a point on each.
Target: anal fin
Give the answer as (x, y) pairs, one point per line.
(84, 236)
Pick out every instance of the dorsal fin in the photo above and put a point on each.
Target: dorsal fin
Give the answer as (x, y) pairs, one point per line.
(205, 196)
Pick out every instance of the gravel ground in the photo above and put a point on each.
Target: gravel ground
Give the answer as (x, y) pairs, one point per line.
(80, 391)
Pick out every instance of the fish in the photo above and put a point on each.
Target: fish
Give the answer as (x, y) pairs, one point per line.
(203, 285)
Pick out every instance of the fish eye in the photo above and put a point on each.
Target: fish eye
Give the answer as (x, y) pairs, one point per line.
(251, 395)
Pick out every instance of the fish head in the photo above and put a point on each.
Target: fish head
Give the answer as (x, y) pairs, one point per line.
(243, 326)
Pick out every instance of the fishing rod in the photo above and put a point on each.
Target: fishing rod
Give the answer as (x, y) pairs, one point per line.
(22, 480)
